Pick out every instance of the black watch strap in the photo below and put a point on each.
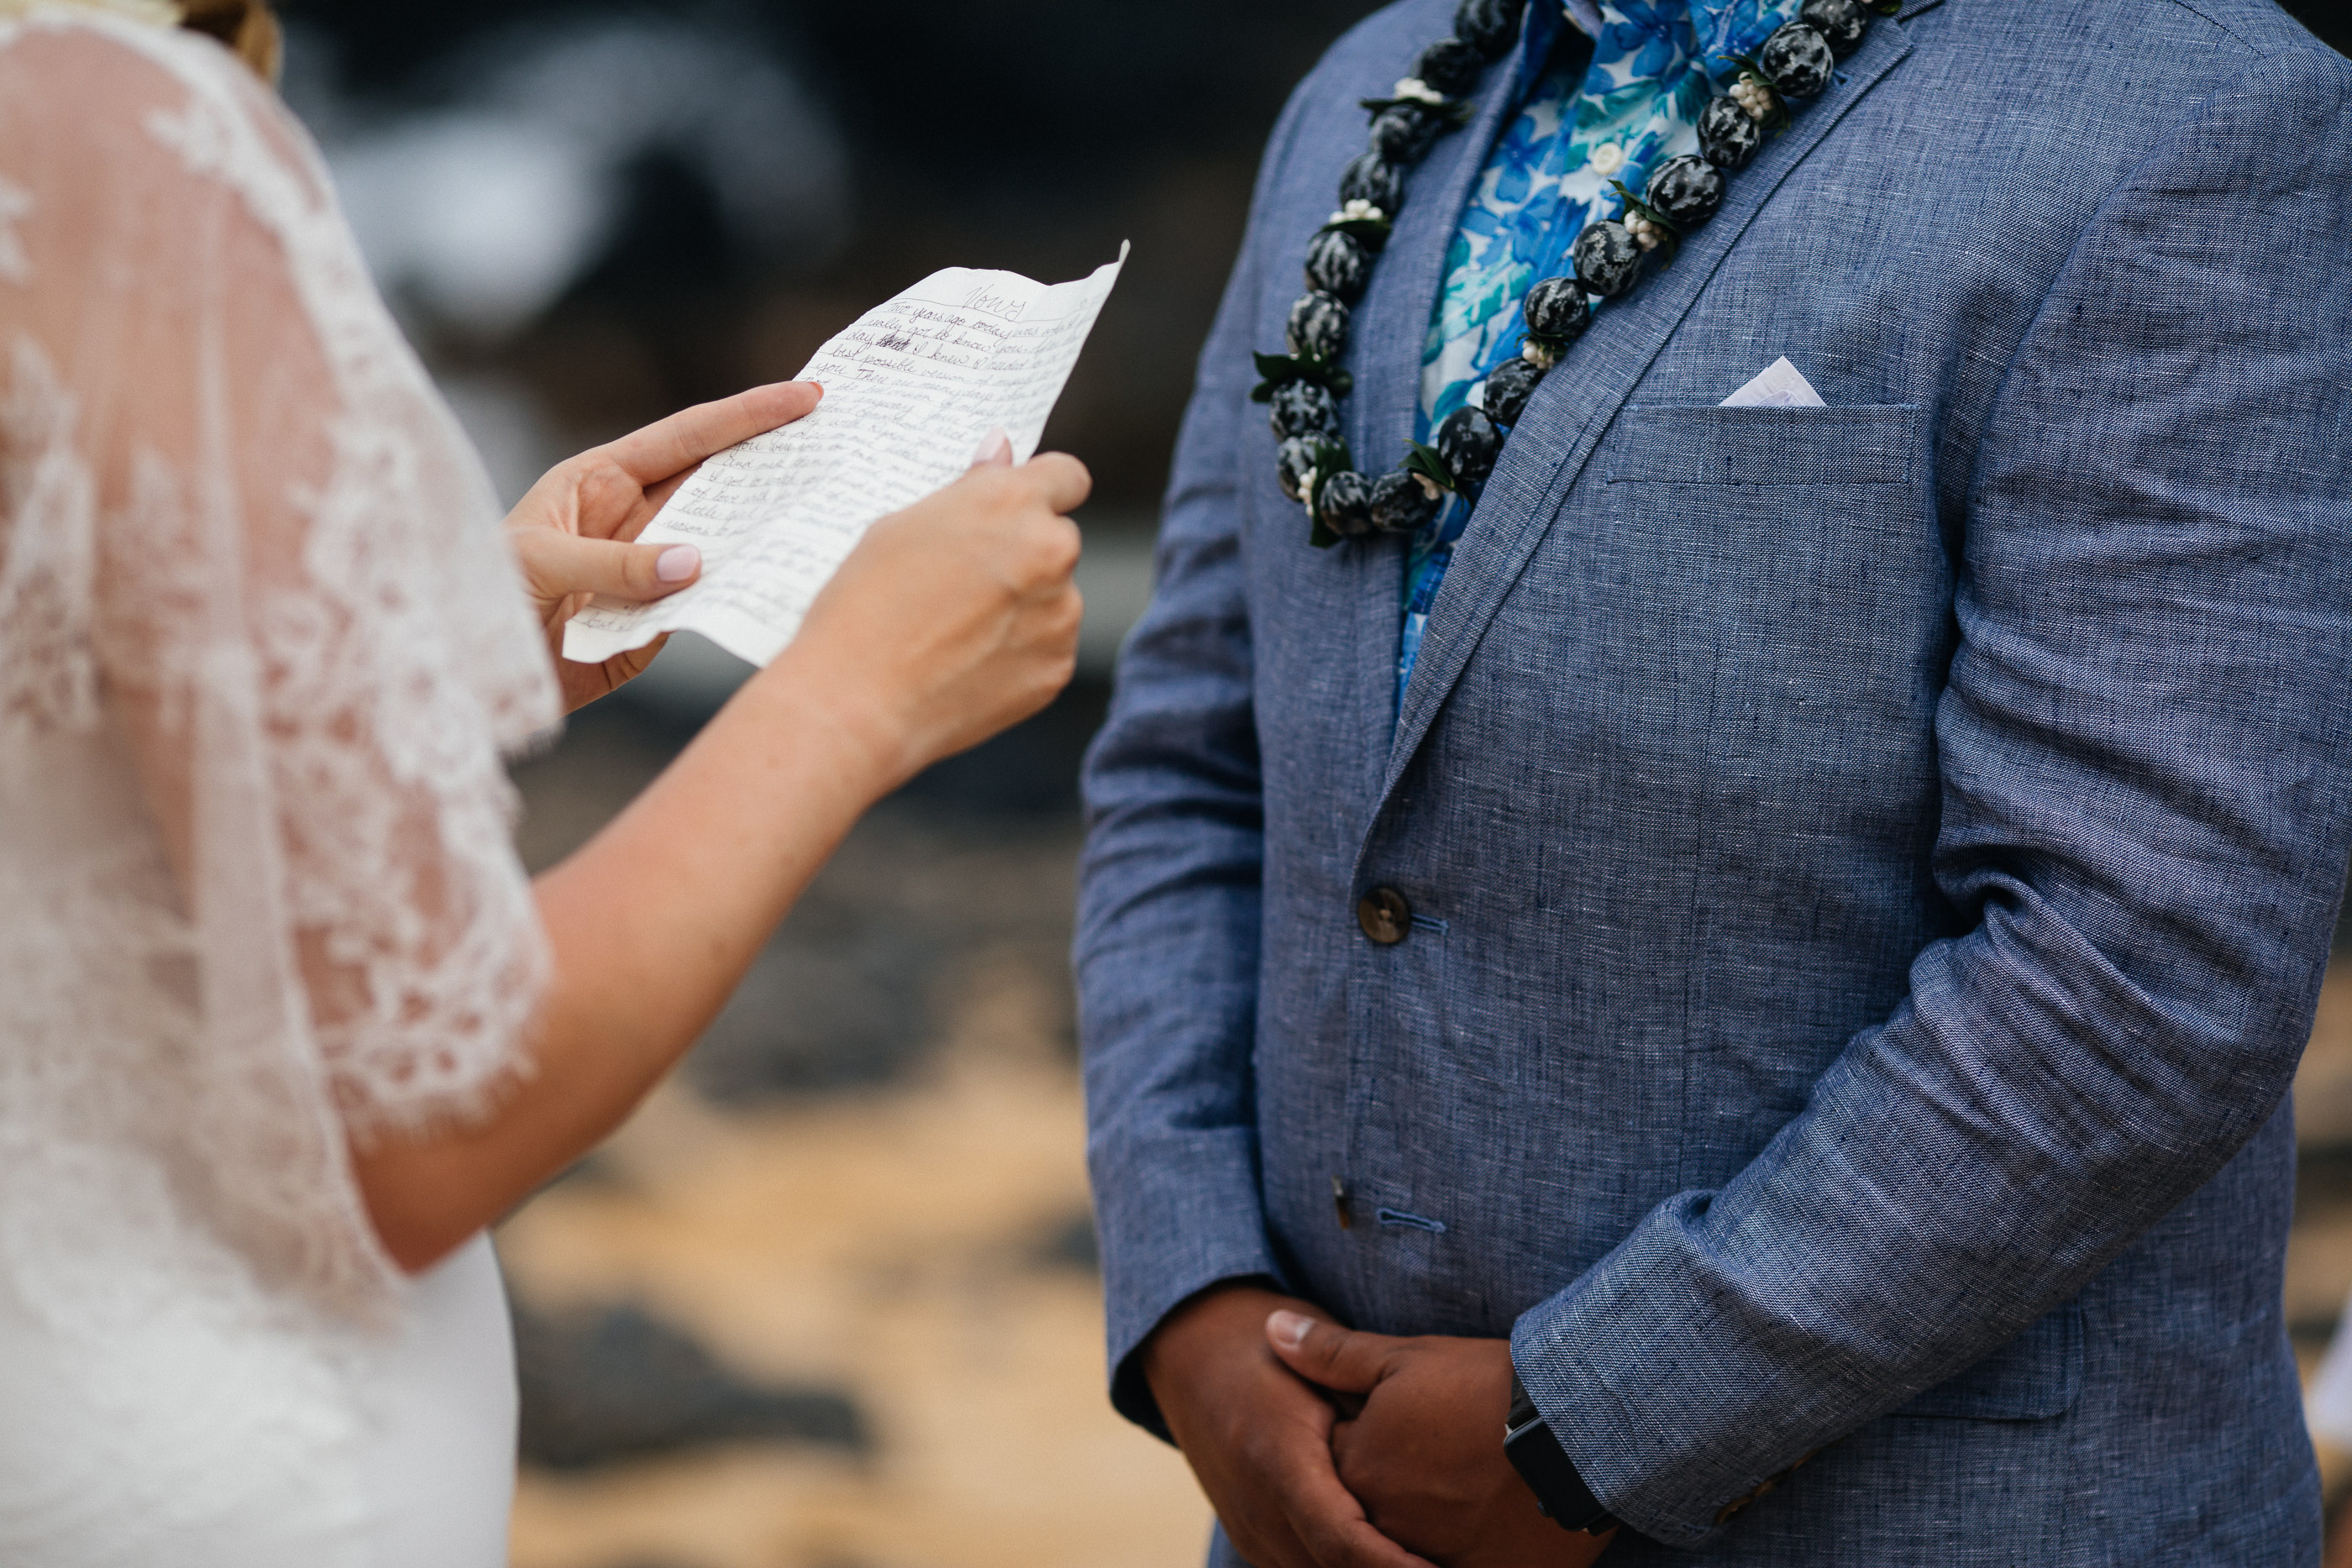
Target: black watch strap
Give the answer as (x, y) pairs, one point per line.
(1550, 1474)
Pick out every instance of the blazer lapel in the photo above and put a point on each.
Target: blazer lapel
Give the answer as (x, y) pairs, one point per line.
(1541, 464)
(1389, 328)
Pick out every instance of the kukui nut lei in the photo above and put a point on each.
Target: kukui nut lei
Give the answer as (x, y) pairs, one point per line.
(1607, 260)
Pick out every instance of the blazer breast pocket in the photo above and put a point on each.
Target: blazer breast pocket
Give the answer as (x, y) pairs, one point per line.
(1757, 446)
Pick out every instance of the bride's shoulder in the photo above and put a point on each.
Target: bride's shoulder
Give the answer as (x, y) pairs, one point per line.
(81, 86)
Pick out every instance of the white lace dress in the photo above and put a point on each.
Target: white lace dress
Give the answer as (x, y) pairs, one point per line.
(260, 649)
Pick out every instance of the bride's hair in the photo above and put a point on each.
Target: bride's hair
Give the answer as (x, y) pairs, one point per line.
(245, 25)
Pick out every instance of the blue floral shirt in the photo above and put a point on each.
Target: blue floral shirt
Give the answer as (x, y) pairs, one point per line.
(1634, 105)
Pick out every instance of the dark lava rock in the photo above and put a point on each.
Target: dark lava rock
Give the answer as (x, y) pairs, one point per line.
(845, 1012)
(603, 1387)
(1070, 1244)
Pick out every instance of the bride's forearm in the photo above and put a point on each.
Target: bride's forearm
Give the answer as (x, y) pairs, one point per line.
(654, 922)
(952, 620)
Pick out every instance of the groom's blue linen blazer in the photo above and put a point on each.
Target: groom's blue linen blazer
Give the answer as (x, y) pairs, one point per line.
(1871, 866)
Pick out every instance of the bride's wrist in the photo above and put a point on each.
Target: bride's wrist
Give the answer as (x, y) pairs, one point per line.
(870, 735)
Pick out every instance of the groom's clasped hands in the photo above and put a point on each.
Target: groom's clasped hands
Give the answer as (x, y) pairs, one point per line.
(1322, 1447)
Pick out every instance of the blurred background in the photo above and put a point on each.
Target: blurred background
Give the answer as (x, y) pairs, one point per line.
(830, 1302)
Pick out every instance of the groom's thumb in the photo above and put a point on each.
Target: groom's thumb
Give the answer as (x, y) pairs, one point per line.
(1339, 1359)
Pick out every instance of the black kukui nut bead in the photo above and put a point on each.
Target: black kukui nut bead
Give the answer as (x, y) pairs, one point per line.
(1798, 60)
(1608, 259)
(1451, 66)
(1489, 26)
(1404, 132)
(1842, 22)
(1338, 265)
(1306, 408)
(1400, 505)
(1686, 190)
(1345, 504)
(1317, 328)
(1372, 178)
(1469, 442)
(1293, 461)
(1727, 135)
(1556, 309)
(1508, 387)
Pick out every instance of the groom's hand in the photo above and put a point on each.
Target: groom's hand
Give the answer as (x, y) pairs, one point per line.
(1425, 1455)
(1258, 1439)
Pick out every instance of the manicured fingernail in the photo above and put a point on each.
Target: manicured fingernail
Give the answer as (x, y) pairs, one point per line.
(995, 448)
(678, 563)
(1289, 1328)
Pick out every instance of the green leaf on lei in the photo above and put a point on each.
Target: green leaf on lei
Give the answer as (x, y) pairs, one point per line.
(1424, 460)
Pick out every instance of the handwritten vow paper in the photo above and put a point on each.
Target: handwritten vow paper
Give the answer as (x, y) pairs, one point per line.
(910, 391)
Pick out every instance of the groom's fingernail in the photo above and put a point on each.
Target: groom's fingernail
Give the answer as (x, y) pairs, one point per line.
(995, 448)
(678, 563)
(1289, 1328)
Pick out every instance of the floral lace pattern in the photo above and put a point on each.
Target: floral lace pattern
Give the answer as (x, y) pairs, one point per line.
(262, 576)
(14, 206)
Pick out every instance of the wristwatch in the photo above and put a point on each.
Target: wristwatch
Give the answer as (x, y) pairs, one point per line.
(1550, 1474)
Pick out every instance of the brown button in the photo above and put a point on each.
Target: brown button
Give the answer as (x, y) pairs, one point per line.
(1385, 916)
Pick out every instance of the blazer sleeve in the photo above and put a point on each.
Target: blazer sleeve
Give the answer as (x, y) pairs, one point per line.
(2143, 808)
(1167, 949)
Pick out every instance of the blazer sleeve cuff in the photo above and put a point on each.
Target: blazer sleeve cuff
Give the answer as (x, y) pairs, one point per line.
(1620, 1364)
(1167, 1237)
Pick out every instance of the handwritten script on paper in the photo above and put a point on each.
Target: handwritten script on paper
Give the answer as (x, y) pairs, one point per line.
(910, 391)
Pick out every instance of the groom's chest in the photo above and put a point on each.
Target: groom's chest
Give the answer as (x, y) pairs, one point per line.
(1647, 566)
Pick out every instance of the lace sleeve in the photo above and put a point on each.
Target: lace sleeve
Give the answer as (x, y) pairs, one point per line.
(238, 523)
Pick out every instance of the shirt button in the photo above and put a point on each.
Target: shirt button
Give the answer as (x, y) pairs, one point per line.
(1385, 916)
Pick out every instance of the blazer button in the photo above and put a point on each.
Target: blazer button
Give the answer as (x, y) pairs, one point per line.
(1385, 916)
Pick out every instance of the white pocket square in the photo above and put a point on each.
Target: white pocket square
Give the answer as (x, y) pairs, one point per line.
(1779, 385)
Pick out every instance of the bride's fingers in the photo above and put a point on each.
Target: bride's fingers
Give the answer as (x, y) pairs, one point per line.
(558, 565)
(668, 448)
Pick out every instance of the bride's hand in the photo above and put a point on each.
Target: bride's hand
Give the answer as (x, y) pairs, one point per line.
(572, 534)
(951, 620)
